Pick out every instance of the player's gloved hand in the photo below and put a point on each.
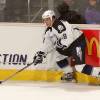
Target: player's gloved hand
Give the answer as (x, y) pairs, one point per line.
(38, 58)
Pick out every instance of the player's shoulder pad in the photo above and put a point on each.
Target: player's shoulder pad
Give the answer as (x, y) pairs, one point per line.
(59, 26)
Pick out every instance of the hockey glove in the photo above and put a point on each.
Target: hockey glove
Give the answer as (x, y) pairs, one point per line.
(38, 58)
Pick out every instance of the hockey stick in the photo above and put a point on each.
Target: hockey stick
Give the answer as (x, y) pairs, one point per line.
(72, 63)
(16, 73)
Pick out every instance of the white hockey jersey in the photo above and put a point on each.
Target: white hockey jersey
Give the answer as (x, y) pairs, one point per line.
(61, 35)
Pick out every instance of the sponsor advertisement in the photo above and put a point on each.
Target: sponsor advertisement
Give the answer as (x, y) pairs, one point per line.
(93, 47)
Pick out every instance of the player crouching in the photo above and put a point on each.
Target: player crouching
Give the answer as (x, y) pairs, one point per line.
(67, 41)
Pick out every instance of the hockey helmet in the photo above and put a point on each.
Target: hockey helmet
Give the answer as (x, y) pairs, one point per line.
(48, 14)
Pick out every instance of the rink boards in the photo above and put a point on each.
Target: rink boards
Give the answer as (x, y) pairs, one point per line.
(19, 42)
(36, 75)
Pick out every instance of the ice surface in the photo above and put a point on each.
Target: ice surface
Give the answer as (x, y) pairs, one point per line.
(48, 91)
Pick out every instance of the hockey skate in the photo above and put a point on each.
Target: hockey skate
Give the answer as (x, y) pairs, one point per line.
(68, 77)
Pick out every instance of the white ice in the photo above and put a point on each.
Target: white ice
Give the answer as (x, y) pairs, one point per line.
(48, 91)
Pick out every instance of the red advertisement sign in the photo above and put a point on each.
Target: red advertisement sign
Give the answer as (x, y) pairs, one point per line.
(92, 55)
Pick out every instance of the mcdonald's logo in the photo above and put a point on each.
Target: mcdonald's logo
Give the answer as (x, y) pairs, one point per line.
(90, 46)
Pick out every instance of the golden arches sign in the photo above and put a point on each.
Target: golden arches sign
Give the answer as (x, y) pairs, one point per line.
(90, 46)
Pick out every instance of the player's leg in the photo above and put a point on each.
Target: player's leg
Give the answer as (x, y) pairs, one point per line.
(65, 65)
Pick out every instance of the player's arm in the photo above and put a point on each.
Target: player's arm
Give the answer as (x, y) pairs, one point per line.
(46, 48)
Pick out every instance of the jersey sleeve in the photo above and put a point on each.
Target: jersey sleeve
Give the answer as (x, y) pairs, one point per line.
(47, 45)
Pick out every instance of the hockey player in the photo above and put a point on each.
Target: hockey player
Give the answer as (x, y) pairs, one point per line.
(67, 41)
(74, 18)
